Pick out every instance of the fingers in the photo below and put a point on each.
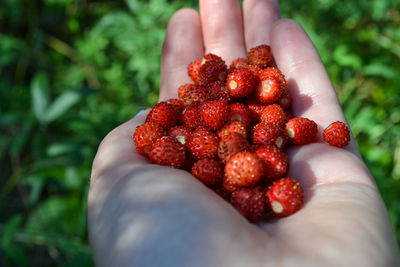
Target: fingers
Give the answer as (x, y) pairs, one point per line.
(258, 17)
(183, 44)
(222, 28)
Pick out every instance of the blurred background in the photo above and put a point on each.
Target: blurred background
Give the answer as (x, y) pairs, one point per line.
(72, 70)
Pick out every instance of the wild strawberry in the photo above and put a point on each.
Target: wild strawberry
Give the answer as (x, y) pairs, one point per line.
(271, 87)
(202, 143)
(260, 56)
(214, 113)
(190, 116)
(275, 161)
(274, 114)
(228, 186)
(229, 145)
(211, 57)
(208, 171)
(145, 135)
(239, 63)
(240, 112)
(167, 151)
(285, 197)
(256, 108)
(180, 133)
(250, 202)
(184, 88)
(256, 70)
(217, 91)
(164, 114)
(268, 134)
(193, 70)
(301, 131)
(241, 83)
(195, 93)
(211, 71)
(285, 100)
(232, 127)
(244, 169)
(337, 134)
(177, 104)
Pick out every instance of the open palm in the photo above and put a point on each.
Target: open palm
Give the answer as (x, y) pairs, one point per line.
(147, 215)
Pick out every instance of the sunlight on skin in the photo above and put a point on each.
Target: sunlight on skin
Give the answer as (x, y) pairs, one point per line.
(147, 215)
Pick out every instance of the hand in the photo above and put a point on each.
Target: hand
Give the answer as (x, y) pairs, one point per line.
(147, 215)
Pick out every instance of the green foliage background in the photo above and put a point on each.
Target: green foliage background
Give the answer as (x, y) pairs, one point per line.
(71, 70)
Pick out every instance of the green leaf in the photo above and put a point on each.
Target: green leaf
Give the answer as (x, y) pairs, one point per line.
(11, 250)
(61, 105)
(40, 95)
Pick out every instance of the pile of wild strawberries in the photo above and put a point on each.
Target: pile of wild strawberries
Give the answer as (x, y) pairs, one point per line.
(230, 128)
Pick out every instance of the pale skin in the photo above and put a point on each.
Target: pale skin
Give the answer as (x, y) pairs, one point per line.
(141, 214)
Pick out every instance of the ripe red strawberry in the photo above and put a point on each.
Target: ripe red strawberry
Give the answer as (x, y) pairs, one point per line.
(260, 56)
(164, 114)
(217, 91)
(256, 70)
(180, 133)
(202, 143)
(250, 202)
(275, 161)
(208, 171)
(214, 113)
(167, 151)
(268, 134)
(256, 108)
(210, 57)
(193, 70)
(337, 134)
(177, 104)
(240, 112)
(285, 197)
(228, 186)
(190, 117)
(241, 83)
(145, 135)
(184, 88)
(196, 93)
(239, 63)
(274, 114)
(301, 131)
(211, 71)
(244, 169)
(232, 127)
(229, 145)
(271, 87)
(285, 100)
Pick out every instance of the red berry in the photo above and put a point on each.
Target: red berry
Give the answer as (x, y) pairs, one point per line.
(240, 112)
(228, 186)
(211, 71)
(190, 117)
(202, 143)
(164, 114)
(250, 202)
(177, 104)
(285, 100)
(256, 70)
(243, 169)
(180, 133)
(285, 197)
(195, 93)
(193, 70)
(271, 87)
(210, 57)
(275, 161)
(167, 151)
(208, 171)
(229, 145)
(268, 134)
(239, 63)
(260, 56)
(232, 127)
(301, 131)
(337, 134)
(217, 91)
(214, 113)
(145, 135)
(241, 83)
(274, 114)
(256, 108)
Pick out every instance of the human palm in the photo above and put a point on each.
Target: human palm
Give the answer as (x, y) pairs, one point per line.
(148, 215)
